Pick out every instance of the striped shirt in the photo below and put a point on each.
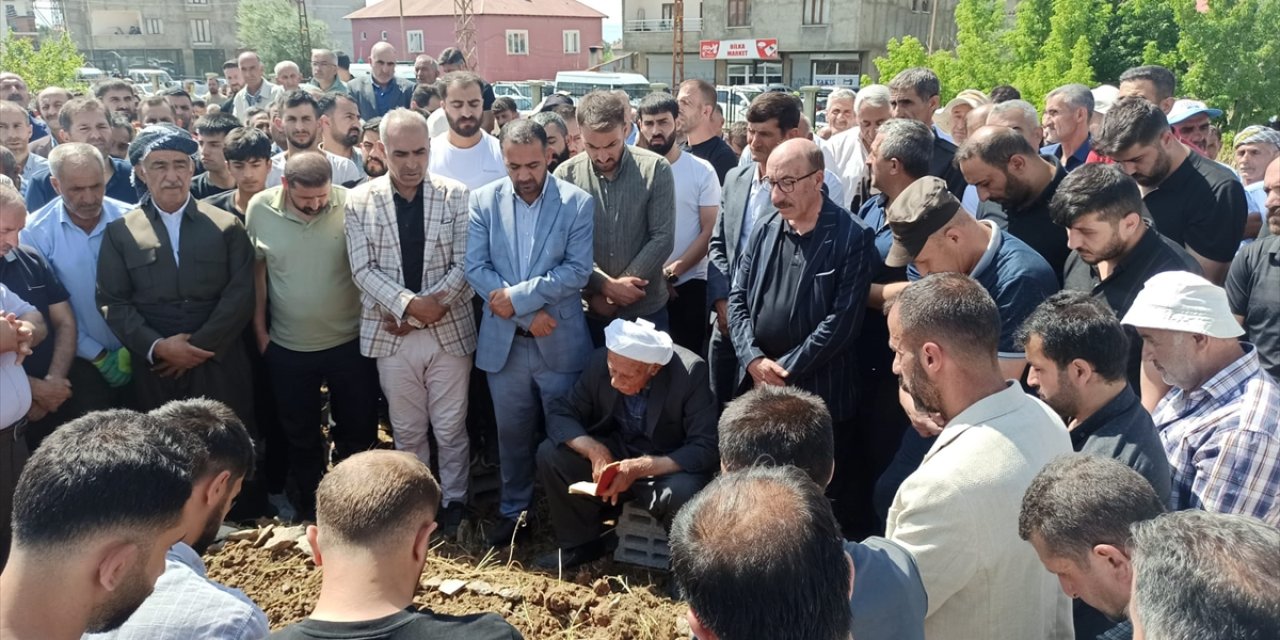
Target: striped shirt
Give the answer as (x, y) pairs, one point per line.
(634, 222)
(1223, 441)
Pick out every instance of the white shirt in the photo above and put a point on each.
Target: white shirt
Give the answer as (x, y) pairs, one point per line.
(173, 224)
(697, 185)
(1256, 197)
(15, 391)
(344, 170)
(474, 167)
(845, 156)
(437, 123)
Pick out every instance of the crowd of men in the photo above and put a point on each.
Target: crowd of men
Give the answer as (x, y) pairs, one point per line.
(934, 371)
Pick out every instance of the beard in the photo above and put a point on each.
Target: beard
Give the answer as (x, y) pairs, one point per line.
(465, 127)
(305, 143)
(1273, 221)
(1110, 251)
(922, 392)
(664, 147)
(125, 600)
(1066, 403)
(375, 168)
(1017, 193)
(351, 139)
(1159, 171)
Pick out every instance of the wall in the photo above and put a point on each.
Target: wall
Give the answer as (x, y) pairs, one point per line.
(546, 47)
(175, 41)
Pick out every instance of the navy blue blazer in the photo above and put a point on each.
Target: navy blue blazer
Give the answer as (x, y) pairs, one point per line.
(829, 304)
(362, 92)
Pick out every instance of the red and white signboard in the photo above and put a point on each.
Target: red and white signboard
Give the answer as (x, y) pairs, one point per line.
(756, 49)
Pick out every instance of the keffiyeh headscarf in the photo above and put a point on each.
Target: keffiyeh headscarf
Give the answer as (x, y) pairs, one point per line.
(1258, 134)
(160, 137)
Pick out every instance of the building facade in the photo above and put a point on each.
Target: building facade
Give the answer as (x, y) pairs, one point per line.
(333, 13)
(793, 42)
(18, 17)
(515, 39)
(187, 38)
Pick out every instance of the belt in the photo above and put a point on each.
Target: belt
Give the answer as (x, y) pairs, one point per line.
(524, 333)
(15, 431)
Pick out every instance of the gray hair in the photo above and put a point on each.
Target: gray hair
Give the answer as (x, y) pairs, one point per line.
(73, 154)
(326, 53)
(551, 118)
(401, 115)
(1075, 95)
(923, 81)
(842, 94)
(1024, 109)
(1205, 575)
(285, 64)
(873, 95)
(908, 141)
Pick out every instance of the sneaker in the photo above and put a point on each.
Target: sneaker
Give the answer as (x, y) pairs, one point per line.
(284, 509)
(450, 518)
(506, 530)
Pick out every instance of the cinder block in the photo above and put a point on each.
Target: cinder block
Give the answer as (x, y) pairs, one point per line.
(641, 539)
(485, 485)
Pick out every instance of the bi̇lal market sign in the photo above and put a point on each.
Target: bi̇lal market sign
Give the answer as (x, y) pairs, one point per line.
(753, 49)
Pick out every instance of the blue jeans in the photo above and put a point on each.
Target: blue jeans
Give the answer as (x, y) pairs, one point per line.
(521, 392)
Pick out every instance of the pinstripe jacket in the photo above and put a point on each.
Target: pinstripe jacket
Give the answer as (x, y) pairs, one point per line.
(373, 246)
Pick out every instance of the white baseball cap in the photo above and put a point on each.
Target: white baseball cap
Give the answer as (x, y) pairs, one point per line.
(1183, 109)
(1104, 95)
(1183, 301)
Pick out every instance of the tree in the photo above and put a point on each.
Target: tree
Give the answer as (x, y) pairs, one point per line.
(900, 54)
(270, 28)
(1139, 32)
(55, 64)
(1231, 52)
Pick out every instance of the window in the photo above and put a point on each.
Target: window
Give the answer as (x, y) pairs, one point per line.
(815, 12)
(200, 31)
(739, 13)
(572, 41)
(415, 41)
(364, 35)
(155, 26)
(200, 2)
(920, 6)
(837, 73)
(517, 42)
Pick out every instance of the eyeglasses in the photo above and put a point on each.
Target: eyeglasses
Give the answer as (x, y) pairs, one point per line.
(786, 185)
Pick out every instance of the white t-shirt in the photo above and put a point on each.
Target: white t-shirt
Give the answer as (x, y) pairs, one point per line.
(697, 185)
(474, 167)
(437, 123)
(345, 172)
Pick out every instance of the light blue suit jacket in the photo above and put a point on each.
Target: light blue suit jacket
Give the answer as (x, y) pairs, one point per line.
(559, 267)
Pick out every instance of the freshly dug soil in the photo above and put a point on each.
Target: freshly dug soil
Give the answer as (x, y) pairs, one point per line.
(603, 600)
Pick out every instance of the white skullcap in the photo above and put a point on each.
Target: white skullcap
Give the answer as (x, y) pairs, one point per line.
(1182, 301)
(638, 340)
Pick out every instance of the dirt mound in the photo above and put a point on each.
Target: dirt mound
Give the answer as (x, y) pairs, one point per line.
(276, 572)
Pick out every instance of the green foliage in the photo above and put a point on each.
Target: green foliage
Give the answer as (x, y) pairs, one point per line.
(54, 64)
(1226, 56)
(270, 27)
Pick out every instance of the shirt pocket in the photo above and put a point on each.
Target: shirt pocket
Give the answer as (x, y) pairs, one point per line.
(140, 265)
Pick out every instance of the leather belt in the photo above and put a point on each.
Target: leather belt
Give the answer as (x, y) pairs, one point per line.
(524, 333)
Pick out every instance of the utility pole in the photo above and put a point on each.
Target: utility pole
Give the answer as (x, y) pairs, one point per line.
(677, 43)
(465, 31)
(933, 19)
(304, 28)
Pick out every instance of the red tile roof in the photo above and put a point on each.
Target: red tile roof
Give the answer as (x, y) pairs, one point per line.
(417, 8)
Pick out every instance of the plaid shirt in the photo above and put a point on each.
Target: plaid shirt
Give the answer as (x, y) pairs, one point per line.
(373, 246)
(1223, 441)
(1122, 631)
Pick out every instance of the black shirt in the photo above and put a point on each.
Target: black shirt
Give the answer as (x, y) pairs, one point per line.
(1153, 254)
(26, 273)
(413, 238)
(1032, 224)
(775, 332)
(227, 202)
(1123, 430)
(405, 625)
(943, 166)
(1253, 289)
(202, 187)
(718, 152)
(1201, 206)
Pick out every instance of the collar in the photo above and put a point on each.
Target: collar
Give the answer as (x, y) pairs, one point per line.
(182, 553)
(12, 255)
(623, 161)
(1041, 201)
(281, 207)
(1082, 154)
(1226, 380)
(981, 412)
(537, 201)
(1122, 403)
(181, 209)
(993, 247)
(64, 218)
(1147, 245)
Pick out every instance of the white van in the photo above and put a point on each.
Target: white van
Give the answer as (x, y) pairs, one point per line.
(364, 70)
(580, 83)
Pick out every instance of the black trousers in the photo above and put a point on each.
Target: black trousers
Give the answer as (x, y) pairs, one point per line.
(13, 456)
(687, 312)
(89, 392)
(296, 377)
(225, 380)
(722, 361)
(578, 519)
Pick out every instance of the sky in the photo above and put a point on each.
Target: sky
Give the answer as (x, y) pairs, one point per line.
(612, 8)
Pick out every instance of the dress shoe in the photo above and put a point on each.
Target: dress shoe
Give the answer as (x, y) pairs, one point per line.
(450, 518)
(573, 557)
(505, 531)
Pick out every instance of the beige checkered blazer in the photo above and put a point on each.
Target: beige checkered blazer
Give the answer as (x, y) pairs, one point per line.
(373, 246)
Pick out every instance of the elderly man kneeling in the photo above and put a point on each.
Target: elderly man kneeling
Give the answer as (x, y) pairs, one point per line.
(643, 404)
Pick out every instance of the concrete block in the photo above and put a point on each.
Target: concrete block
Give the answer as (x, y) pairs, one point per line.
(642, 540)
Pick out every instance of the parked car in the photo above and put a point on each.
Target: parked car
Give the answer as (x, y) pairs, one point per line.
(734, 100)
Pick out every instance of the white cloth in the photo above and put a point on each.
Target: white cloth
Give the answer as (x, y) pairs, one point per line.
(345, 172)
(1256, 197)
(696, 186)
(846, 157)
(437, 123)
(173, 224)
(240, 106)
(638, 340)
(957, 515)
(15, 391)
(474, 167)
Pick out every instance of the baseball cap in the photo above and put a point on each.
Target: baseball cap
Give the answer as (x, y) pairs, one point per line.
(1104, 95)
(1183, 301)
(1183, 109)
(552, 101)
(921, 209)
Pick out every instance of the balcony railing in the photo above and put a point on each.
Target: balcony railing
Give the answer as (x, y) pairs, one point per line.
(662, 24)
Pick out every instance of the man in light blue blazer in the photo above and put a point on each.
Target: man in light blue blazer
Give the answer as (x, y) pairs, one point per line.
(529, 253)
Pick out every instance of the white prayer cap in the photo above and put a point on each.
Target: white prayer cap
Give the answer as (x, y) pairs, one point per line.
(638, 340)
(1183, 301)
